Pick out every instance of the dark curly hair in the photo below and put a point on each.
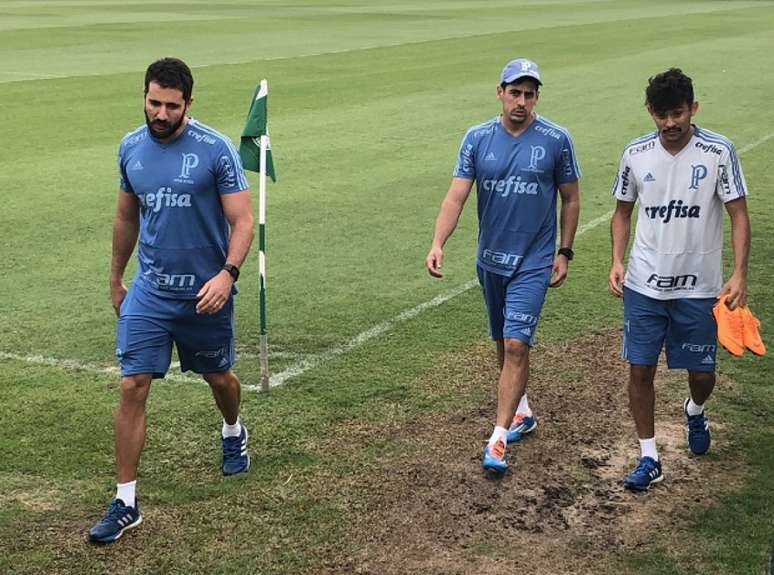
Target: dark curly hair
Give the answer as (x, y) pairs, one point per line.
(668, 91)
(171, 73)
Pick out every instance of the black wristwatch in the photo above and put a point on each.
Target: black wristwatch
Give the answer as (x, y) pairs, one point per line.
(566, 252)
(233, 270)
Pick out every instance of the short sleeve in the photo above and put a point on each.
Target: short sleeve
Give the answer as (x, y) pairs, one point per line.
(123, 182)
(466, 158)
(730, 179)
(229, 174)
(625, 185)
(567, 169)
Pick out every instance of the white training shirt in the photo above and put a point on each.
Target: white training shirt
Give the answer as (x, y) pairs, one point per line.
(677, 251)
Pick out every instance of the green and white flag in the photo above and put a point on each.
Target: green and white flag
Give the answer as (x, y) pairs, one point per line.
(256, 126)
(255, 151)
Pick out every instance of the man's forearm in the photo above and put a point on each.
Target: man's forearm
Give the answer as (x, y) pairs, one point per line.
(620, 227)
(568, 222)
(446, 222)
(740, 241)
(240, 241)
(125, 234)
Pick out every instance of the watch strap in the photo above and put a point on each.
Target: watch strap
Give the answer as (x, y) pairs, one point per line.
(233, 270)
(566, 252)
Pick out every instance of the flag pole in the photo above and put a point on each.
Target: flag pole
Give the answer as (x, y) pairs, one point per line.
(255, 152)
(262, 262)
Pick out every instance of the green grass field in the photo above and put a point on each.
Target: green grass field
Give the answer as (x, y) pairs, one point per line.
(368, 103)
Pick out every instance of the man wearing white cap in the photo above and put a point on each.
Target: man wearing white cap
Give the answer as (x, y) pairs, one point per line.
(519, 160)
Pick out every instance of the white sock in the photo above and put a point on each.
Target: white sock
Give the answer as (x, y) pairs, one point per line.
(498, 433)
(125, 492)
(648, 448)
(524, 406)
(694, 408)
(232, 430)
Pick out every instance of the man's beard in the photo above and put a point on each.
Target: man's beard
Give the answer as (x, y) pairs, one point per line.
(161, 129)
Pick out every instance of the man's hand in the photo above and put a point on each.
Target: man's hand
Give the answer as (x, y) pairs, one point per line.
(215, 293)
(117, 295)
(735, 290)
(558, 271)
(616, 279)
(433, 262)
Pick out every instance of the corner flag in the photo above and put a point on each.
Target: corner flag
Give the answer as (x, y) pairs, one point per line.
(255, 151)
(256, 126)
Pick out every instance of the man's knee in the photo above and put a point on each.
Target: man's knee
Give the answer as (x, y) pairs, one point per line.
(135, 387)
(515, 349)
(221, 379)
(642, 375)
(702, 377)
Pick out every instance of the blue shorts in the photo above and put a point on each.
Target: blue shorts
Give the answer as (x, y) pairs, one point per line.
(685, 328)
(514, 303)
(148, 324)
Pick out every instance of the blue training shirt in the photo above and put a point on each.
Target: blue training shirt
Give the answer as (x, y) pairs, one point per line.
(517, 179)
(184, 233)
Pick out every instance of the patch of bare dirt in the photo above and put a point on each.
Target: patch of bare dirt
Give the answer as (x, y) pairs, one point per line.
(561, 508)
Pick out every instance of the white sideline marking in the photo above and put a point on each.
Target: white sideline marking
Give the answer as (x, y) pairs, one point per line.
(755, 144)
(28, 75)
(594, 223)
(313, 360)
(275, 354)
(78, 366)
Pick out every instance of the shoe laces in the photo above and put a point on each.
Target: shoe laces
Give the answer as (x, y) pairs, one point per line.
(115, 511)
(644, 466)
(697, 422)
(232, 446)
(518, 419)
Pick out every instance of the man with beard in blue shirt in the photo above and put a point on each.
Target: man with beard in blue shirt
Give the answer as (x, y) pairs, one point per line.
(519, 160)
(184, 194)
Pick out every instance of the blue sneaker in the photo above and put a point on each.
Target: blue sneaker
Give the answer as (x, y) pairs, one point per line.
(647, 472)
(118, 519)
(521, 425)
(235, 457)
(494, 457)
(698, 432)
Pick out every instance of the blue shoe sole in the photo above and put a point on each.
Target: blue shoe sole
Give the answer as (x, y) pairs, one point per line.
(635, 487)
(494, 468)
(699, 449)
(245, 470)
(493, 465)
(516, 436)
(117, 536)
(698, 452)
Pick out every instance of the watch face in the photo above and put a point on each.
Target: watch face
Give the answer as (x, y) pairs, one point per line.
(233, 270)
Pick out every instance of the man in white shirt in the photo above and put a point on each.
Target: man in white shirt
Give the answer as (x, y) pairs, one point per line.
(682, 176)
